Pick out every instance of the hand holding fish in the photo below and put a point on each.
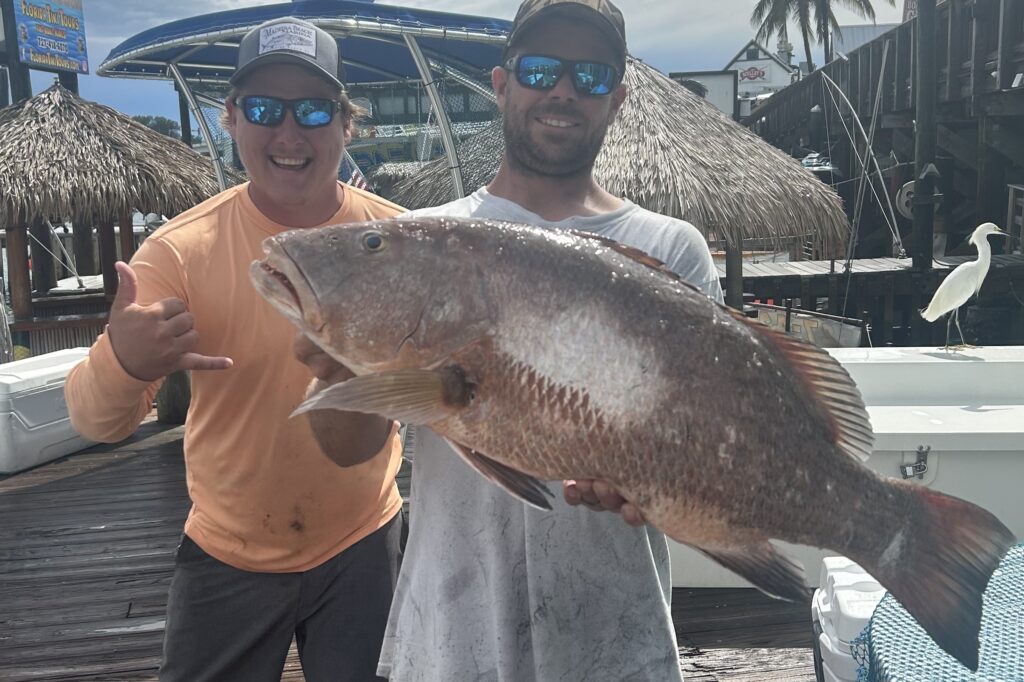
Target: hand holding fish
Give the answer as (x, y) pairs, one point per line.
(347, 438)
(151, 341)
(601, 496)
(322, 365)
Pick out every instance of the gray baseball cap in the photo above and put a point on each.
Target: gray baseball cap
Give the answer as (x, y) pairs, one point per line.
(294, 41)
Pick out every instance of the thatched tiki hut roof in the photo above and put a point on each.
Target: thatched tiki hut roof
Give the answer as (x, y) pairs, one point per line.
(675, 153)
(384, 176)
(65, 158)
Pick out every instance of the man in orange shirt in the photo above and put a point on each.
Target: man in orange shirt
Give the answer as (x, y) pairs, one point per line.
(280, 540)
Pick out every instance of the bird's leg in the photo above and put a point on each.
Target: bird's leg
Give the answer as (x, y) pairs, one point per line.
(949, 323)
(963, 341)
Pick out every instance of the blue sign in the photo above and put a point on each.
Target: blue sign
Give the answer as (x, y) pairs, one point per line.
(51, 34)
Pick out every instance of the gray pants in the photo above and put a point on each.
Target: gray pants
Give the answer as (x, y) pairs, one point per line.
(227, 624)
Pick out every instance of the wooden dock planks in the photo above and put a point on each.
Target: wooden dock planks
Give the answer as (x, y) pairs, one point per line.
(87, 551)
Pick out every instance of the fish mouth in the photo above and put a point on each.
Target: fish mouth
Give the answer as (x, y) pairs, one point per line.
(282, 278)
(279, 281)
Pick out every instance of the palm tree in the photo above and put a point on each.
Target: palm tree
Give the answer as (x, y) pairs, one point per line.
(772, 16)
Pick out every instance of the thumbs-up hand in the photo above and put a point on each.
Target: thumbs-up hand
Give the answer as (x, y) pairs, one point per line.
(154, 340)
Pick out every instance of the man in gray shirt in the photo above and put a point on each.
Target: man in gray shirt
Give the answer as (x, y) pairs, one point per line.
(490, 588)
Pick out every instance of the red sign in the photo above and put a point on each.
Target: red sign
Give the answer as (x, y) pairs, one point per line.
(752, 74)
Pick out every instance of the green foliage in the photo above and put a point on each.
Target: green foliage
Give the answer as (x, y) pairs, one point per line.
(160, 124)
(814, 19)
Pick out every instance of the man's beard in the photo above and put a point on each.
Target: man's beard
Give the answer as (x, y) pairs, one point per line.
(530, 155)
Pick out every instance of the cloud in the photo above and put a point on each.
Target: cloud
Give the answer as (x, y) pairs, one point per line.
(671, 35)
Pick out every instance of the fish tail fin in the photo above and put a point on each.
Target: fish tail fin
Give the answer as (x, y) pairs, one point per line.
(940, 574)
(767, 569)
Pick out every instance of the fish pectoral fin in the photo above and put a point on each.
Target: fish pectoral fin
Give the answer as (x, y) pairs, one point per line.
(762, 565)
(410, 396)
(523, 486)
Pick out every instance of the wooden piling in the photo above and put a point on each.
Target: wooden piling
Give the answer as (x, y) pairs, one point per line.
(733, 276)
(925, 137)
(41, 247)
(127, 235)
(18, 271)
(85, 259)
(108, 256)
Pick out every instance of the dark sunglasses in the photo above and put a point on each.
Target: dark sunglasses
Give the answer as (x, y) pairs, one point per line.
(539, 72)
(309, 112)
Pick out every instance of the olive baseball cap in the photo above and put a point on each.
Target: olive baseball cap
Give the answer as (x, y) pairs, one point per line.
(290, 40)
(601, 13)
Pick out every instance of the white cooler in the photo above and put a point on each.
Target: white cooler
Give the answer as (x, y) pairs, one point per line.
(840, 610)
(34, 423)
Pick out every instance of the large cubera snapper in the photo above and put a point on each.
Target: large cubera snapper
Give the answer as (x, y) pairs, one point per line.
(553, 355)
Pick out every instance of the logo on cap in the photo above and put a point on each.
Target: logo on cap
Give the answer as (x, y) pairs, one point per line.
(292, 37)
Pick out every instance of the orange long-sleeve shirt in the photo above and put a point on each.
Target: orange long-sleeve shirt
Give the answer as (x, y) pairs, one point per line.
(264, 497)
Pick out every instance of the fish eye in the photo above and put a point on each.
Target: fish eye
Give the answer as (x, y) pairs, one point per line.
(374, 242)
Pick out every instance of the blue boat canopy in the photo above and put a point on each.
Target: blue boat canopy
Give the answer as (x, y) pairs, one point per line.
(371, 37)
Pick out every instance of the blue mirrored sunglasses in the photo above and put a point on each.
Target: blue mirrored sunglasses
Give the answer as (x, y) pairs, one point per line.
(309, 112)
(540, 72)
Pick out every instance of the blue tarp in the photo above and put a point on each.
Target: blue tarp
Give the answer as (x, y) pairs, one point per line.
(369, 56)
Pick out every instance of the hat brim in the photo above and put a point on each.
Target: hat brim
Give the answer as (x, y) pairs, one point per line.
(284, 58)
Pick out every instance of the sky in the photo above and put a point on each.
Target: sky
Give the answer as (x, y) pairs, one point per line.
(671, 35)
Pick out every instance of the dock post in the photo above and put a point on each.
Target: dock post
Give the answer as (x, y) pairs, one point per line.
(173, 398)
(733, 275)
(18, 271)
(18, 73)
(925, 138)
(108, 256)
(82, 247)
(126, 234)
(42, 248)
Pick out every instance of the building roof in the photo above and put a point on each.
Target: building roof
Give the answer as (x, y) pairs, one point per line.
(754, 43)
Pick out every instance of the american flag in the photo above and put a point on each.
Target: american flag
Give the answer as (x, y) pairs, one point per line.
(351, 174)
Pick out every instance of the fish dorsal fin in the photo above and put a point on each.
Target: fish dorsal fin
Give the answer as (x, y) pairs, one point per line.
(410, 396)
(516, 483)
(638, 255)
(629, 251)
(828, 382)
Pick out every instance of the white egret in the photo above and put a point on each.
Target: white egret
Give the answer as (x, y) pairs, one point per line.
(965, 281)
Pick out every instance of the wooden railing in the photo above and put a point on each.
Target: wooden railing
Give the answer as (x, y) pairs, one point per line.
(980, 50)
(979, 114)
(44, 322)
